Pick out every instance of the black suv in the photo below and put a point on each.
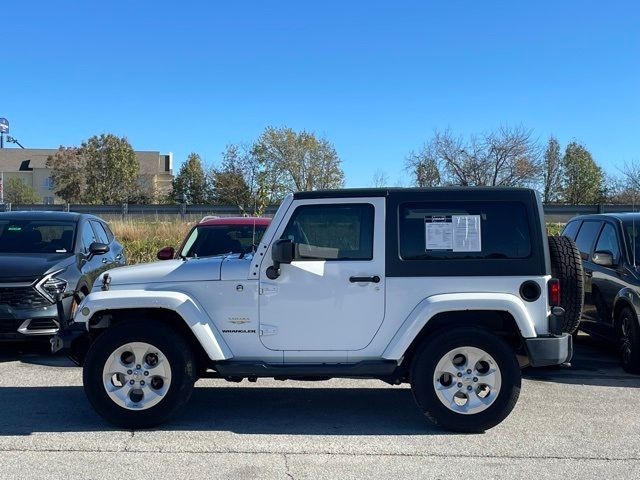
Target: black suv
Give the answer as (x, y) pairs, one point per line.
(610, 253)
(44, 254)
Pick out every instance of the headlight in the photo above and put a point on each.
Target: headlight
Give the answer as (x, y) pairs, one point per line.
(51, 287)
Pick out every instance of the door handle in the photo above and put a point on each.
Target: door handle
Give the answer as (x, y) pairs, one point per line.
(374, 279)
(118, 256)
(104, 260)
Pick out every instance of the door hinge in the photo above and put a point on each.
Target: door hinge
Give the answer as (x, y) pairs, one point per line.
(267, 330)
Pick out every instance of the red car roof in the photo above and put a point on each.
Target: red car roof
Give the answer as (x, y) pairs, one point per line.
(235, 221)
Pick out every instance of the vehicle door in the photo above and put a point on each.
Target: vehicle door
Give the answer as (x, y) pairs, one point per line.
(331, 297)
(585, 240)
(608, 280)
(108, 259)
(89, 266)
(116, 247)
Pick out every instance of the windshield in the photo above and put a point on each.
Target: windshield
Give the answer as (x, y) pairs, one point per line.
(36, 236)
(209, 240)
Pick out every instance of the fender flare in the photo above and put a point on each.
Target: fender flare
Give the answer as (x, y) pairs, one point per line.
(435, 304)
(193, 315)
(629, 297)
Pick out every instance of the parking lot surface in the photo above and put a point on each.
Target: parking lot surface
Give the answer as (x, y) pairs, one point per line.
(578, 422)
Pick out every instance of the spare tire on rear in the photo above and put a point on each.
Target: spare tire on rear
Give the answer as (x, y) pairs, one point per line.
(566, 266)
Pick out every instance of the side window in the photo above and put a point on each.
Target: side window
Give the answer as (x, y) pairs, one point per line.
(608, 242)
(571, 229)
(332, 232)
(88, 237)
(587, 235)
(100, 232)
(110, 234)
(450, 230)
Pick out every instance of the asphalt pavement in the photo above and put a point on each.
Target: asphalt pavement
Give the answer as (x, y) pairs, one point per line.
(579, 422)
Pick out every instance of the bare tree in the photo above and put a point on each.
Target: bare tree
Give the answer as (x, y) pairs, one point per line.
(506, 157)
(380, 179)
(631, 174)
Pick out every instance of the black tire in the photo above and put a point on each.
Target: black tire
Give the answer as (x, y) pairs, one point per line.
(170, 343)
(566, 266)
(629, 340)
(423, 384)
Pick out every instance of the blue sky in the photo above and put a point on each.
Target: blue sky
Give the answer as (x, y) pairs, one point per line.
(375, 78)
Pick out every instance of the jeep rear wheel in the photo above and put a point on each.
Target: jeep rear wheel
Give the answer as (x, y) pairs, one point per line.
(566, 266)
(138, 373)
(465, 379)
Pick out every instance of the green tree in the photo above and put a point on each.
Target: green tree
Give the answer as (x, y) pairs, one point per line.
(16, 191)
(111, 169)
(68, 170)
(552, 171)
(233, 182)
(583, 179)
(190, 184)
(295, 161)
(423, 166)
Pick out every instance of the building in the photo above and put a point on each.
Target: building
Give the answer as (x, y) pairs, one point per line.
(29, 164)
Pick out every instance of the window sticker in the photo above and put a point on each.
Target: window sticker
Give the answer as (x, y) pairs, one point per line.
(466, 233)
(438, 233)
(455, 233)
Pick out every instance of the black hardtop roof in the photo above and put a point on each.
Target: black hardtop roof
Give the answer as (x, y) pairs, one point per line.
(45, 215)
(386, 192)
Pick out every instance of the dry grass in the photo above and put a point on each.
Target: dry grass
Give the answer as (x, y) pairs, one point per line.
(142, 240)
(554, 228)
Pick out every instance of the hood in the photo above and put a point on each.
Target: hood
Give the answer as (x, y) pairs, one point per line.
(27, 267)
(190, 270)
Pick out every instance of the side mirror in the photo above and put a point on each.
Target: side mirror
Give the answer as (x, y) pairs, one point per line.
(282, 251)
(603, 258)
(166, 253)
(97, 248)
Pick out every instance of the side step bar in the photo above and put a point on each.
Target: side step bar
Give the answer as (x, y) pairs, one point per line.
(365, 369)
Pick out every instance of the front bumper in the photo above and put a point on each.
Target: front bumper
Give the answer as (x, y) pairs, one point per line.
(27, 324)
(549, 350)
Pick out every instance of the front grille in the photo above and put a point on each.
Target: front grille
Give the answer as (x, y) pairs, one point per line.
(42, 324)
(22, 297)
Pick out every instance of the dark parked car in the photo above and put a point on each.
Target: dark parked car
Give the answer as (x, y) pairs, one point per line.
(43, 254)
(219, 235)
(610, 253)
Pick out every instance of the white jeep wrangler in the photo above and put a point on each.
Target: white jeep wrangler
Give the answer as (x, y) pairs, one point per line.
(449, 290)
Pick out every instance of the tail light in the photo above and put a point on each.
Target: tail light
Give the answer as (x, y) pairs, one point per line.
(554, 292)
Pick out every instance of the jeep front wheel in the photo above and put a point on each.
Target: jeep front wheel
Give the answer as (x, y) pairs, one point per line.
(465, 379)
(138, 373)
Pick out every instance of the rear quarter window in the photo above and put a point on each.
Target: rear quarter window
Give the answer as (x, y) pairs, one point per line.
(502, 229)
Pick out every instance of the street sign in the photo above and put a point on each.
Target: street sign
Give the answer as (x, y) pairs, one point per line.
(4, 125)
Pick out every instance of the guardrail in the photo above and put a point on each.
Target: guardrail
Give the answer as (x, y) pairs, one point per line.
(553, 212)
(160, 211)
